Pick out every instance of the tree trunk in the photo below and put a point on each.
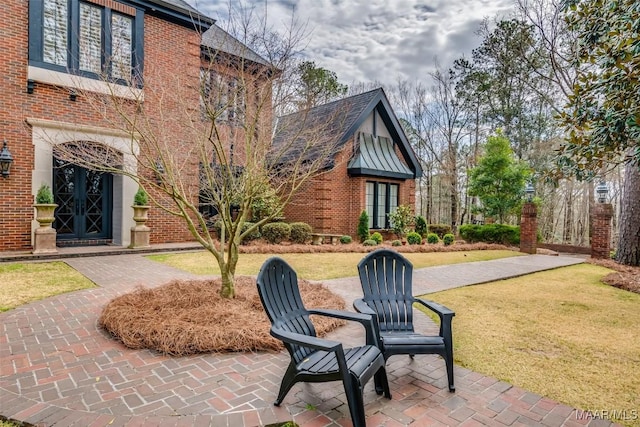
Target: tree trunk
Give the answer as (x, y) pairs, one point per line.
(628, 251)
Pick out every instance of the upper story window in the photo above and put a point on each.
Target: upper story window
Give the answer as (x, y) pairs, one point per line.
(91, 38)
(223, 96)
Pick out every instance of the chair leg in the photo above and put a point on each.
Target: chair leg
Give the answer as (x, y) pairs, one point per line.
(449, 362)
(287, 382)
(381, 377)
(353, 390)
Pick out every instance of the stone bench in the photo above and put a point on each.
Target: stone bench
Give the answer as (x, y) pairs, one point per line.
(319, 238)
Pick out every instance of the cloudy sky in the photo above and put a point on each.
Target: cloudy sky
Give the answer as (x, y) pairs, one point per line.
(378, 40)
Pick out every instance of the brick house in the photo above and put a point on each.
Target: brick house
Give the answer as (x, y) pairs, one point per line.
(374, 167)
(56, 50)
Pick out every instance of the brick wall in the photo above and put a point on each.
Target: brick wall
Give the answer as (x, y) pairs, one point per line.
(170, 51)
(601, 234)
(332, 202)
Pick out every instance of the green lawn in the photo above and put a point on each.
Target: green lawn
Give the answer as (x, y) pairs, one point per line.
(319, 266)
(560, 333)
(21, 283)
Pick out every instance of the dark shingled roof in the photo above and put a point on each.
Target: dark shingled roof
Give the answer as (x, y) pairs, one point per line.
(218, 39)
(339, 120)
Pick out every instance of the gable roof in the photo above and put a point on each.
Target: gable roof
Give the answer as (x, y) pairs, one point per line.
(342, 119)
(218, 39)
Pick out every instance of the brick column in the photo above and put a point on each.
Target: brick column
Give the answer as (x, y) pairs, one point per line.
(601, 234)
(529, 228)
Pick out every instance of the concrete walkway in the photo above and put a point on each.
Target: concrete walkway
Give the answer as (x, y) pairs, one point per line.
(57, 368)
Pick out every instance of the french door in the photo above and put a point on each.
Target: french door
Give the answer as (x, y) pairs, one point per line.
(84, 199)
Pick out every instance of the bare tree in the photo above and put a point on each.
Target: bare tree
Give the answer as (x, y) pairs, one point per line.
(202, 145)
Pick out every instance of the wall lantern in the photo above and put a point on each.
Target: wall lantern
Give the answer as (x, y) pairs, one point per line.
(31, 84)
(5, 161)
(602, 190)
(529, 191)
(159, 169)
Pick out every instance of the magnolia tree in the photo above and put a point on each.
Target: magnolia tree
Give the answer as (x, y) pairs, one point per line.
(201, 146)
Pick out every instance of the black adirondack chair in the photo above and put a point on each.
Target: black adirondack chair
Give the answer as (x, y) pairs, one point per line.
(386, 278)
(316, 359)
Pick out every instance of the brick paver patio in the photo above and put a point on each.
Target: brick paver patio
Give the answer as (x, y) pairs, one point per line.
(57, 368)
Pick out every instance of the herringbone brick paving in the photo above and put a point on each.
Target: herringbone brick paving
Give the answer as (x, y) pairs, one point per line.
(57, 368)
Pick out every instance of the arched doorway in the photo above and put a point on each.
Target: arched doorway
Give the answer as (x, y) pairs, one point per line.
(85, 205)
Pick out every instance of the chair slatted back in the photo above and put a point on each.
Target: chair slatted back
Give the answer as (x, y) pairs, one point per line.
(386, 283)
(280, 296)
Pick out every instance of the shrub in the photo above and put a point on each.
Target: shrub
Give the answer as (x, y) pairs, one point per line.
(432, 238)
(448, 239)
(345, 239)
(440, 229)
(421, 225)
(276, 232)
(300, 232)
(369, 242)
(363, 226)
(141, 198)
(400, 219)
(253, 235)
(377, 237)
(490, 233)
(414, 238)
(265, 205)
(396, 243)
(44, 196)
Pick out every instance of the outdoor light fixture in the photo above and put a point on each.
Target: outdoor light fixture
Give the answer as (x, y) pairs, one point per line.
(602, 191)
(159, 172)
(5, 160)
(529, 191)
(73, 95)
(31, 84)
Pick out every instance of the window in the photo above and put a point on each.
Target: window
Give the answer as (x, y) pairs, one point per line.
(381, 200)
(222, 96)
(86, 38)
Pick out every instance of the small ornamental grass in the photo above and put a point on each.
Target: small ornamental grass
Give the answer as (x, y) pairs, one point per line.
(189, 317)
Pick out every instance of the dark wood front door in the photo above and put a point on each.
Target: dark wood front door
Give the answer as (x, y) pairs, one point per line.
(84, 199)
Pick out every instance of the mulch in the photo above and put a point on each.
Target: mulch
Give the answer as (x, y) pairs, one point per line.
(189, 317)
(625, 276)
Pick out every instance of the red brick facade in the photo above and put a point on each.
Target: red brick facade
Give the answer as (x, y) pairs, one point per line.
(332, 202)
(601, 237)
(169, 49)
(529, 229)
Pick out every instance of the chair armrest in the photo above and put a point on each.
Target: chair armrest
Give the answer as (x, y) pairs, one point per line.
(368, 321)
(439, 309)
(305, 340)
(362, 307)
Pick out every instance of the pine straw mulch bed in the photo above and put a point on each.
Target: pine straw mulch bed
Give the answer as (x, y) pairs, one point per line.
(625, 276)
(189, 317)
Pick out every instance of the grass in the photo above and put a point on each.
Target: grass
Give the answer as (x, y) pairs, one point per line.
(319, 266)
(560, 333)
(21, 283)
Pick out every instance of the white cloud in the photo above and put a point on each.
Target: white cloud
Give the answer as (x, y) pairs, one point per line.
(379, 40)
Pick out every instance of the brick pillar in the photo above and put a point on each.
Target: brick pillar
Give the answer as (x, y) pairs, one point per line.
(601, 235)
(529, 228)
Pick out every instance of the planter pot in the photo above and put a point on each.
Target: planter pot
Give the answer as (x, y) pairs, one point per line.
(44, 239)
(140, 233)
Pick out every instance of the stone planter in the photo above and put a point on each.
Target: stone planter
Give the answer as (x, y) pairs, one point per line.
(44, 241)
(140, 233)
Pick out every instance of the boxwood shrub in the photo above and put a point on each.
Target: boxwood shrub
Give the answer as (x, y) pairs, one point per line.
(369, 242)
(490, 233)
(345, 239)
(432, 238)
(448, 239)
(276, 232)
(414, 238)
(300, 232)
